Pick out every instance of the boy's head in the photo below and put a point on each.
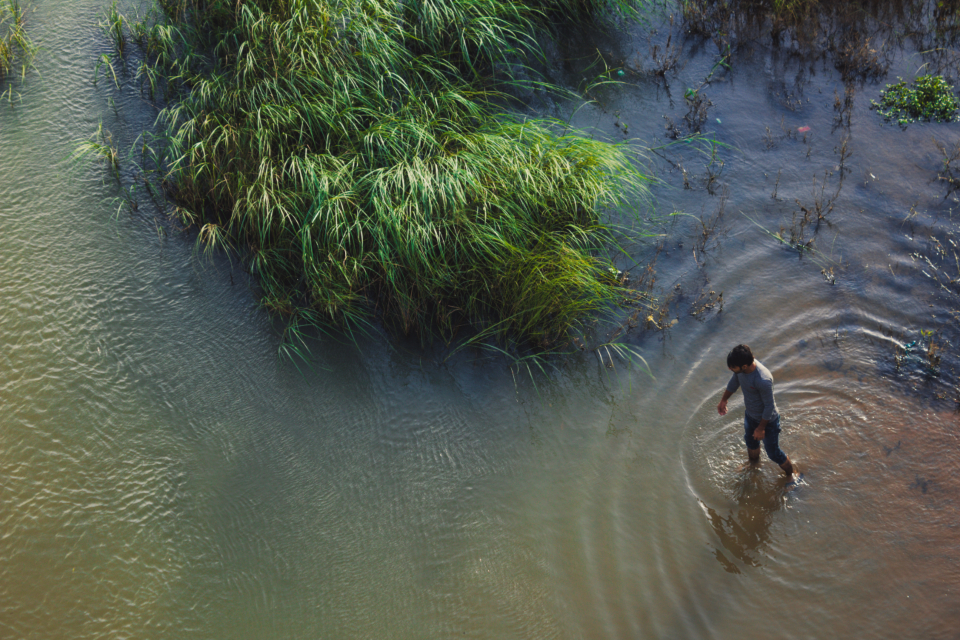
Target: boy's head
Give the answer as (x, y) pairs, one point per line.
(739, 356)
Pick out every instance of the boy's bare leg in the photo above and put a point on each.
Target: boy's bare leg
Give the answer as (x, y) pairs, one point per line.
(754, 455)
(787, 466)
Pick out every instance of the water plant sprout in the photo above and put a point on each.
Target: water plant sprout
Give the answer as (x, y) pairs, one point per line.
(359, 154)
(15, 44)
(929, 98)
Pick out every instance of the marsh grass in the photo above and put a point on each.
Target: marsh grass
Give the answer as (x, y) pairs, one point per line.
(812, 215)
(949, 172)
(356, 157)
(16, 47)
(114, 27)
(100, 145)
(861, 37)
(808, 218)
(795, 239)
(930, 353)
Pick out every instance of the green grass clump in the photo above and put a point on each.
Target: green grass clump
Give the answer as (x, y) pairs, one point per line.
(15, 45)
(930, 98)
(358, 153)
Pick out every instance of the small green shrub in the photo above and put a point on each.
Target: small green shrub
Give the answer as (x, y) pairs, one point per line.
(930, 98)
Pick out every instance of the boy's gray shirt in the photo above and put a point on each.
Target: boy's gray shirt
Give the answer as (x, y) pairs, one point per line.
(757, 392)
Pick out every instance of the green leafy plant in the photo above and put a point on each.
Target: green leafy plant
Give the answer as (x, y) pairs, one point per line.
(929, 98)
(357, 154)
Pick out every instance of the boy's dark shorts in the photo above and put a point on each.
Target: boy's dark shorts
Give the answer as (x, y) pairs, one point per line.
(771, 437)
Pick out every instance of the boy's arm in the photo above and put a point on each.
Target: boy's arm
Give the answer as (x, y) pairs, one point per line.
(761, 430)
(722, 406)
(732, 387)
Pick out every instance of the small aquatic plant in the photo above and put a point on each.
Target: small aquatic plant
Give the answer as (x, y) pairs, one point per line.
(15, 45)
(924, 353)
(100, 145)
(931, 351)
(929, 98)
(113, 26)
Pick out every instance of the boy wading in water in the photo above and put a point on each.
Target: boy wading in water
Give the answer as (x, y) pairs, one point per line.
(761, 421)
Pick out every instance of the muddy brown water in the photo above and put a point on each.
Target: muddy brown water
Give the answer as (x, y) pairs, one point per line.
(164, 474)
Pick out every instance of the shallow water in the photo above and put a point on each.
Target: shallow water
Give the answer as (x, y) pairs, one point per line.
(166, 475)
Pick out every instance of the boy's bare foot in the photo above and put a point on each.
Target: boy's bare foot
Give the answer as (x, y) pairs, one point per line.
(794, 481)
(789, 468)
(753, 458)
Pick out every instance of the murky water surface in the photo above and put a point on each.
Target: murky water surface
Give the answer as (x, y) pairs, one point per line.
(163, 474)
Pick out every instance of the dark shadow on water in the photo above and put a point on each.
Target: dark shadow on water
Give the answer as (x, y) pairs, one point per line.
(742, 533)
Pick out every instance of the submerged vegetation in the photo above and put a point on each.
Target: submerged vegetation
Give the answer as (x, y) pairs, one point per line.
(929, 98)
(860, 37)
(360, 156)
(16, 48)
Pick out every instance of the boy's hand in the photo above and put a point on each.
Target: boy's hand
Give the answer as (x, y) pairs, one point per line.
(758, 433)
(722, 407)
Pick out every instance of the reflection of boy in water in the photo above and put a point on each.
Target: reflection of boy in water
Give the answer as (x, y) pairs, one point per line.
(761, 421)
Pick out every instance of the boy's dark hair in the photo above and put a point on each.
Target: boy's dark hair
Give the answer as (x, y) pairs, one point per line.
(740, 356)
